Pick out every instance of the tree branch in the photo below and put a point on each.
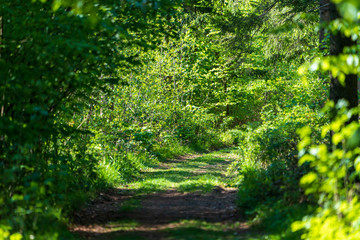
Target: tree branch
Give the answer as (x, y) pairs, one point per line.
(318, 8)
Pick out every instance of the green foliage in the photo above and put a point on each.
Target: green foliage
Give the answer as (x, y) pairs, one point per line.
(346, 62)
(268, 167)
(333, 179)
(268, 174)
(52, 63)
(93, 93)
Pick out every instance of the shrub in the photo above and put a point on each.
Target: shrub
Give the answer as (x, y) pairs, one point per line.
(334, 178)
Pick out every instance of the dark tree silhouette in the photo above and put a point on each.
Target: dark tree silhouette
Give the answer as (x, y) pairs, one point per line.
(338, 42)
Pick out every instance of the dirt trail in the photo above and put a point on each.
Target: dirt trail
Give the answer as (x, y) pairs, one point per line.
(185, 211)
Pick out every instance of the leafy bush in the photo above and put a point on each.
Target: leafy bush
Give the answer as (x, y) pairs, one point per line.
(54, 62)
(269, 156)
(333, 179)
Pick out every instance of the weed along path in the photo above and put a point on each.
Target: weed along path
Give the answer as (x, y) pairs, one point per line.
(185, 198)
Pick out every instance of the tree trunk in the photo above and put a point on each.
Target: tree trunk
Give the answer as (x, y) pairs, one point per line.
(227, 107)
(337, 91)
(324, 19)
(1, 43)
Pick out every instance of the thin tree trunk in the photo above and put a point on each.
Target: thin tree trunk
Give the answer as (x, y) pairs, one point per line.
(2, 111)
(324, 19)
(227, 107)
(1, 33)
(337, 91)
(1, 43)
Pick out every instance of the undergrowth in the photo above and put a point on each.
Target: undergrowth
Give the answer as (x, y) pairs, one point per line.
(267, 167)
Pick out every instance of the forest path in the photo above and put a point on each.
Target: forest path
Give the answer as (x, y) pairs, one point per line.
(183, 198)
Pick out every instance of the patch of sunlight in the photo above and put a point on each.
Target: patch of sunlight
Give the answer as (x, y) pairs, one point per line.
(152, 185)
(204, 183)
(122, 225)
(201, 173)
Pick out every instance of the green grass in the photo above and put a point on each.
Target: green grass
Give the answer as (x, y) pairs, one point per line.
(122, 225)
(172, 149)
(189, 174)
